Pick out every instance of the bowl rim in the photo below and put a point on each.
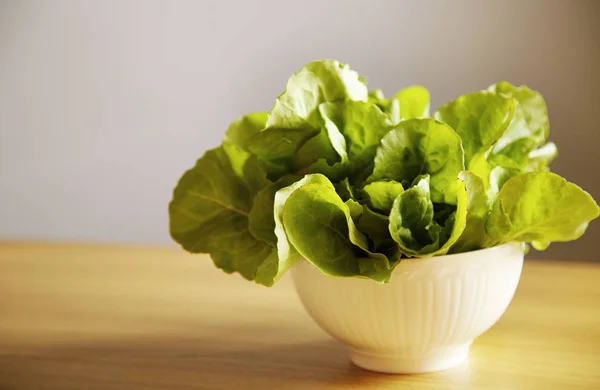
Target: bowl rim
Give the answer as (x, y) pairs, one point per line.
(512, 251)
(466, 256)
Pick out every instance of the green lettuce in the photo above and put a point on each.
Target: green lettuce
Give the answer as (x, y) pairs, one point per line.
(413, 102)
(209, 214)
(478, 208)
(479, 118)
(320, 226)
(528, 129)
(421, 146)
(354, 182)
(408, 103)
(356, 128)
(413, 224)
(381, 194)
(317, 82)
(540, 207)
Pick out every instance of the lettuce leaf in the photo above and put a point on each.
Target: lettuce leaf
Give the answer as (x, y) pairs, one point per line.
(531, 105)
(540, 207)
(528, 128)
(279, 145)
(317, 148)
(381, 194)
(479, 118)
(286, 253)
(356, 128)
(320, 226)
(375, 226)
(414, 228)
(389, 106)
(261, 219)
(315, 83)
(417, 147)
(295, 120)
(478, 209)
(209, 214)
(413, 102)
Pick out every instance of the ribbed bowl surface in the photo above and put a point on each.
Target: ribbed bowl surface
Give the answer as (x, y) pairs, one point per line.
(423, 320)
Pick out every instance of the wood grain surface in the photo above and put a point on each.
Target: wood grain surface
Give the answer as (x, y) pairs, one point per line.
(106, 317)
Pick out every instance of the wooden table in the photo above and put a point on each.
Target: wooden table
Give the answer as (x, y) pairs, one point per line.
(104, 317)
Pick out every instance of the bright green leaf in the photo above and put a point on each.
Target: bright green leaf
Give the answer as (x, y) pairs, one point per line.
(527, 130)
(317, 82)
(319, 225)
(480, 167)
(417, 147)
(532, 105)
(540, 207)
(412, 223)
(499, 176)
(512, 149)
(478, 209)
(336, 138)
(410, 218)
(286, 253)
(413, 102)
(381, 194)
(361, 126)
(479, 118)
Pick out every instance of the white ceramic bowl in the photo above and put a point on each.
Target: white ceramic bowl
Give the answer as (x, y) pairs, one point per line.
(425, 319)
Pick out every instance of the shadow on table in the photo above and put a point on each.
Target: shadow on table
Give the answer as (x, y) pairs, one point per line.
(161, 362)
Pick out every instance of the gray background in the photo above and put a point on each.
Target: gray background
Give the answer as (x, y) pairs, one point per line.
(103, 104)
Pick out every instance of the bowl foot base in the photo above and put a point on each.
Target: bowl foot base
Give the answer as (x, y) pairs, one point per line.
(436, 360)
